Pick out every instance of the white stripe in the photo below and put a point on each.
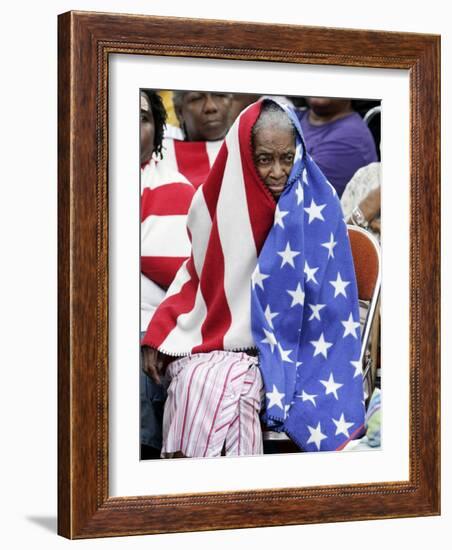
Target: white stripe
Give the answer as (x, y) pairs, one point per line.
(165, 236)
(212, 148)
(187, 332)
(199, 224)
(166, 170)
(163, 172)
(169, 161)
(237, 241)
(150, 297)
(182, 277)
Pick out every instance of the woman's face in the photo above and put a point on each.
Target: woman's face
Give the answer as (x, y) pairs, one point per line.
(205, 116)
(274, 153)
(147, 129)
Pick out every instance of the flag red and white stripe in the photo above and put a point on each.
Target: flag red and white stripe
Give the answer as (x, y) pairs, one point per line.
(193, 159)
(165, 200)
(208, 305)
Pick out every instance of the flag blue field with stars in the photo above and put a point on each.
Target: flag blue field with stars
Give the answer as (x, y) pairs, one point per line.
(305, 314)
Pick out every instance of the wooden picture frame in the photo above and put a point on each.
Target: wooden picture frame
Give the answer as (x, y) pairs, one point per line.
(85, 42)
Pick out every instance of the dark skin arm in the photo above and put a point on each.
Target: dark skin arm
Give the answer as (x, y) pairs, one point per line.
(370, 205)
(154, 363)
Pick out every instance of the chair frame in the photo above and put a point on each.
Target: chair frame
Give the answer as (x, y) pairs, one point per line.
(373, 302)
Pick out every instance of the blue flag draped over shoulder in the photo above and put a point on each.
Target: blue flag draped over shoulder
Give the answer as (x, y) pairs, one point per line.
(305, 315)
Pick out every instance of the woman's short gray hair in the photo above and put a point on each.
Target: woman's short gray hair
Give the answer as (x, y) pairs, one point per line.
(272, 116)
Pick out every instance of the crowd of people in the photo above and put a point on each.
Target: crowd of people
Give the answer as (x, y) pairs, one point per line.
(249, 305)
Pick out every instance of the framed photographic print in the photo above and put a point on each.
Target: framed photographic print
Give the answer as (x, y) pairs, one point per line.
(120, 76)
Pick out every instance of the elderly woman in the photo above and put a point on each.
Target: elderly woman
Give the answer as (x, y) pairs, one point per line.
(266, 306)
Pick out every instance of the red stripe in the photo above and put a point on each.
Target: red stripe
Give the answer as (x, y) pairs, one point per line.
(211, 189)
(218, 318)
(161, 270)
(261, 203)
(192, 160)
(165, 317)
(166, 200)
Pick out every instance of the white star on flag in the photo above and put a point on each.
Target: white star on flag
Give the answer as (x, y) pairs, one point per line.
(315, 211)
(316, 311)
(269, 339)
(269, 316)
(279, 216)
(308, 397)
(300, 194)
(285, 354)
(342, 426)
(275, 398)
(321, 346)
(358, 368)
(350, 327)
(310, 273)
(330, 246)
(258, 278)
(297, 296)
(331, 386)
(316, 436)
(288, 255)
(339, 286)
(305, 176)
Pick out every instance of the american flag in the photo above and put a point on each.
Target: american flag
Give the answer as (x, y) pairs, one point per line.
(192, 159)
(165, 200)
(207, 307)
(305, 317)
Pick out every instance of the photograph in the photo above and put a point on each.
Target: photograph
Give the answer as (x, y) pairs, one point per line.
(259, 274)
(230, 246)
(243, 243)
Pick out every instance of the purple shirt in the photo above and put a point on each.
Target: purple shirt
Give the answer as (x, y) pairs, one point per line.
(340, 147)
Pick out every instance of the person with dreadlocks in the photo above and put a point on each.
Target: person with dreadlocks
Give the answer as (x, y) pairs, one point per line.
(165, 199)
(264, 313)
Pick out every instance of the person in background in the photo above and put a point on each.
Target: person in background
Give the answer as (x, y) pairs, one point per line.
(204, 119)
(165, 199)
(240, 102)
(337, 139)
(361, 200)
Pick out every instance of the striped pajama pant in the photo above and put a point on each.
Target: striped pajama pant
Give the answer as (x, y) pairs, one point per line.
(213, 404)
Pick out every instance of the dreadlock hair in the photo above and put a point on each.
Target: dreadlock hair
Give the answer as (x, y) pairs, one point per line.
(159, 114)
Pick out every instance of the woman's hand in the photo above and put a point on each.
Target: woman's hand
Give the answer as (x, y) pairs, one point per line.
(154, 363)
(370, 205)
